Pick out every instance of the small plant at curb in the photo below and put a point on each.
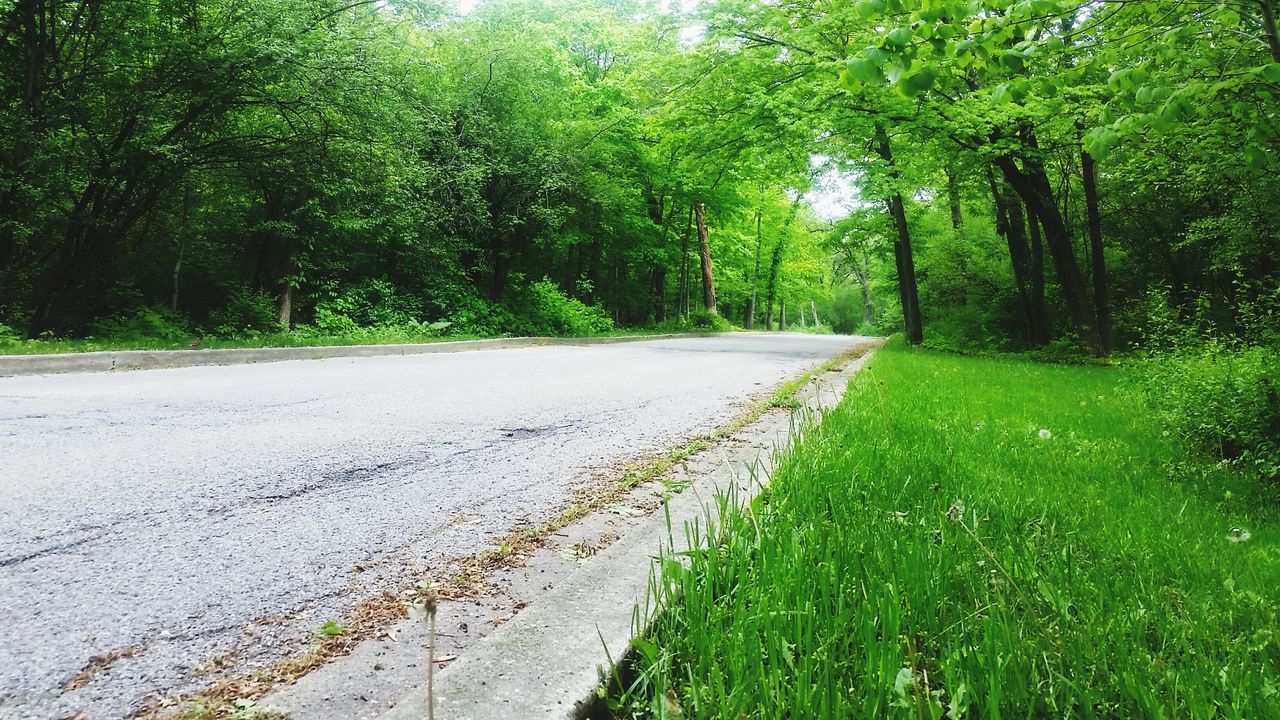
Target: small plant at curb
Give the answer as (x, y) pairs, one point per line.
(424, 608)
(331, 629)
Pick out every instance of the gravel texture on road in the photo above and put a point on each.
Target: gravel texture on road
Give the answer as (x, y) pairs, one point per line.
(151, 521)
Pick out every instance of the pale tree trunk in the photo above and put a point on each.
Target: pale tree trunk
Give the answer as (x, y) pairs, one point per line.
(755, 276)
(813, 308)
(177, 272)
(868, 308)
(682, 302)
(704, 248)
(284, 306)
(953, 197)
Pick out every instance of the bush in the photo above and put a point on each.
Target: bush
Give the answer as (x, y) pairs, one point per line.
(245, 310)
(330, 322)
(145, 323)
(1223, 400)
(713, 322)
(372, 303)
(473, 316)
(1220, 393)
(550, 312)
(9, 336)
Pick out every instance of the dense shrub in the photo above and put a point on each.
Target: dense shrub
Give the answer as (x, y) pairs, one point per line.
(245, 310)
(1219, 392)
(474, 316)
(370, 303)
(1222, 399)
(144, 323)
(549, 311)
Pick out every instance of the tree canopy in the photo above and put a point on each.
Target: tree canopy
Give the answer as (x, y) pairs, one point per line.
(1018, 173)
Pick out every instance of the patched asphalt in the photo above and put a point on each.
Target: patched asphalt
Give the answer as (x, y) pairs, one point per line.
(168, 516)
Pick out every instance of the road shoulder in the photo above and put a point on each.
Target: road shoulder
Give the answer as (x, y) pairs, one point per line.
(535, 641)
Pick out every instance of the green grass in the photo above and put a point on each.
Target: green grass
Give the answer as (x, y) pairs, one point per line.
(977, 538)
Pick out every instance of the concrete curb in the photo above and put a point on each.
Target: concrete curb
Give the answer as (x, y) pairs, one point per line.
(548, 661)
(119, 360)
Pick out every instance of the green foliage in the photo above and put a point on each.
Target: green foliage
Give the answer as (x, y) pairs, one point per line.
(145, 323)
(9, 337)
(387, 167)
(709, 322)
(1218, 393)
(244, 311)
(1223, 400)
(971, 537)
(548, 311)
(371, 303)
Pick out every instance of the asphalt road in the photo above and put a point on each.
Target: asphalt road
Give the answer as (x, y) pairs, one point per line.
(155, 514)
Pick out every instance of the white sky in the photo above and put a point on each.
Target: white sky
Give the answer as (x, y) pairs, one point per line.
(834, 193)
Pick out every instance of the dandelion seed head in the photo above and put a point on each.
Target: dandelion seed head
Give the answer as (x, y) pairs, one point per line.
(1045, 434)
(1238, 535)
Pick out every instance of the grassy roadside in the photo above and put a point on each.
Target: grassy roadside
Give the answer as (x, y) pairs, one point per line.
(977, 538)
(371, 336)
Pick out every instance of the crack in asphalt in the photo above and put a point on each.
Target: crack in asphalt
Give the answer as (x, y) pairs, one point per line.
(53, 550)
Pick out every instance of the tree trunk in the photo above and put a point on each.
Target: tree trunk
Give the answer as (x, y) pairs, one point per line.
(1269, 27)
(755, 275)
(704, 248)
(682, 302)
(182, 245)
(771, 286)
(1032, 184)
(284, 306)
(1039, 315)
(802, 322)
(813, 308)
(953, 197)
(1009, 224)
(868, 308)
(659, 293)
(177, 273)
(902, 249)
(782, 314)
(1101, 289)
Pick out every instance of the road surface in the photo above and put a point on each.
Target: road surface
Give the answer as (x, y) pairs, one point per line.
(154, 515)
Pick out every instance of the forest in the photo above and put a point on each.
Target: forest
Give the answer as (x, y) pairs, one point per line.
(1053, 492)
(1003, 175)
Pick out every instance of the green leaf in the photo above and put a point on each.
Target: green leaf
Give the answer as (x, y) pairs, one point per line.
(870, 8)
(899, 38)
(1255, 156)
(865, 70)
(1270, 72)
(919, 81)
(1014, 61)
